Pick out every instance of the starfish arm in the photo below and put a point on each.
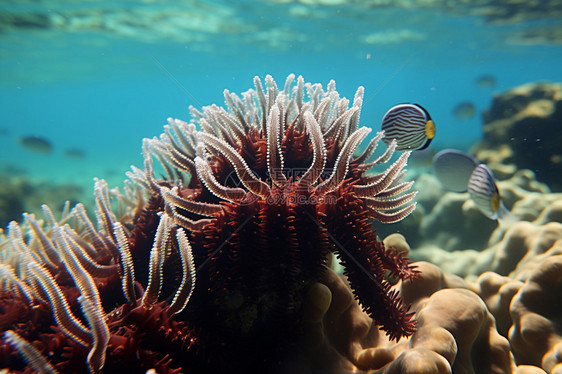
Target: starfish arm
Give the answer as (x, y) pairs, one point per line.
(366, 264)
(365, 272)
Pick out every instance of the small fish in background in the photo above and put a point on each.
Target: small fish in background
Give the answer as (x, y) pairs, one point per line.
(464, 110)
(4, 131)
(485, 81)
(75, 153)
(411, 126)
(483, 190)
(459, 172)
(453, 168)
(35, 144)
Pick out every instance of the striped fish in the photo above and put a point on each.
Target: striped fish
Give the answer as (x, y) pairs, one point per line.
(411, 126)
(453, 168)
(483, 190)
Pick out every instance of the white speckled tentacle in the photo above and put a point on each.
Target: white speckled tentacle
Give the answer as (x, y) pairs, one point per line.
(246, 176)
(187, 286)
(235, 109)
(343, 125)
(357, 103)
(184, 133)
(90, 299)
(172, 197)
(341, 165)
(66, 321)
(206, 176)
(377, 187)
(100, 333)
(396, 190)
(51, 257)
(157, 257)
(370, 149)
(394, 216)
(31, 355)
(382, 159)
(389, 203)
(126, 261)
(9, 281)
(318, 151)
(274, 154)
(148, 169)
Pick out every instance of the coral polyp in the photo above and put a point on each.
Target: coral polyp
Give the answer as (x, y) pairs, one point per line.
(209, 260)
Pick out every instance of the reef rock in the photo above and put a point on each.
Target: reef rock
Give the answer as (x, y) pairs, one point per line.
(447, 222)
(522, 131)
(526, 305)
(19, 193)
(496, 324)
(509, 246)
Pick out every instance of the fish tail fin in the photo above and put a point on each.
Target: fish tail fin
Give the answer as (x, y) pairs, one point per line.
(505, 217)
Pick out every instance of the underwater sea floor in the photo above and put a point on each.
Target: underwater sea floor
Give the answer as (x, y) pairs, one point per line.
(167, 277)
(189, 262)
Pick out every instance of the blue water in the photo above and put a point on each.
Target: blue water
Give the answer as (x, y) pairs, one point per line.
(104, 90)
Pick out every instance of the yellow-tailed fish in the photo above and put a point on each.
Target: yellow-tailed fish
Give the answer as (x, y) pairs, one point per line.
(483, 190)
(411, 126)
(453, 168)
